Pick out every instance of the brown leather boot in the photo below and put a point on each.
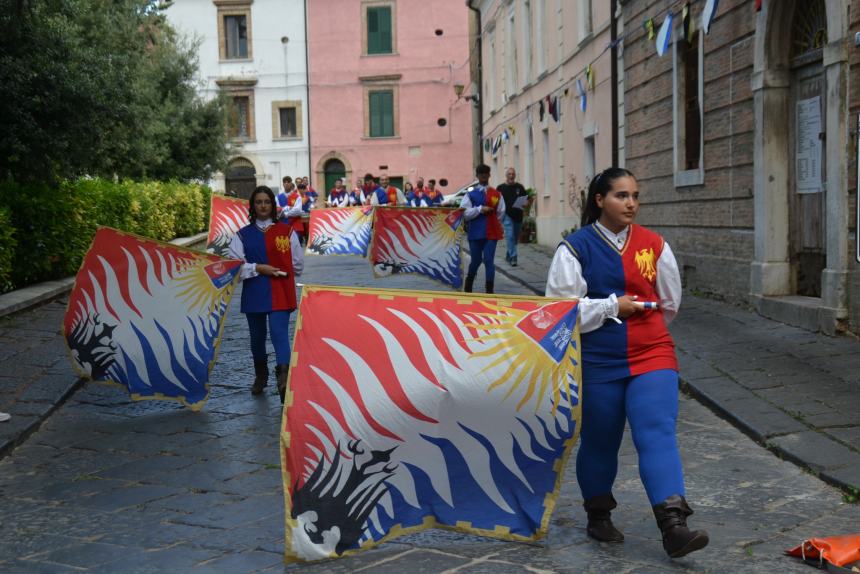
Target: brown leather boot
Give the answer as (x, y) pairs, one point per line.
(470, 280)
(678, 540)
(281, 372)
(600, 527)
(261, 377)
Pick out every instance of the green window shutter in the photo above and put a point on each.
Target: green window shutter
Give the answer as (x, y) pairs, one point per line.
(379, 38)
(381, 113)
(387, 113)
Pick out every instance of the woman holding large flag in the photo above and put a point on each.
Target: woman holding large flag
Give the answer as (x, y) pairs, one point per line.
(627, 279)
(273, 259)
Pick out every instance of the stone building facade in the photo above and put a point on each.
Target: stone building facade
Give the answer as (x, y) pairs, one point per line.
(536, 54)
(254, 53)
(744, 144)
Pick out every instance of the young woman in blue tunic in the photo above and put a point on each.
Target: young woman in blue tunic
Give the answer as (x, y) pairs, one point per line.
(273, 259)
(629, 287)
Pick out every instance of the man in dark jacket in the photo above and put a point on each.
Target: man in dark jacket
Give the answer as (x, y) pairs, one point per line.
(511, 191)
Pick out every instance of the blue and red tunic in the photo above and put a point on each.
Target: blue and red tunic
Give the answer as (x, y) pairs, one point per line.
(384, 196)
(486, 225)
(641, 343)
(262, 294)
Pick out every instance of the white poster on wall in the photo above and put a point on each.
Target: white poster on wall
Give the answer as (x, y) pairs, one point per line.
(808, 155)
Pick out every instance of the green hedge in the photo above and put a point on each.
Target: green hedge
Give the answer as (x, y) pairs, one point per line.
(45, 231)
(7, 249)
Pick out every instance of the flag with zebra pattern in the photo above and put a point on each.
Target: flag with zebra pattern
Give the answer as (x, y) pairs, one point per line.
(226, 217)
(426, 241)
(148, 315)
(409, 410)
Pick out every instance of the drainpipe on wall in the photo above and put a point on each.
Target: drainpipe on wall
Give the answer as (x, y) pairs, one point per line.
(308, 97)
(613, 37)
(478, 140)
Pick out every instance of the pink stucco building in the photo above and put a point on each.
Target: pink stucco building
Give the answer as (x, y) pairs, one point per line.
(389, 81)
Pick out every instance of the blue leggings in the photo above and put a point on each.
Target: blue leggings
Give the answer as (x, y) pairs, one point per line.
(279, 325)
(483, 251)
(650, 402)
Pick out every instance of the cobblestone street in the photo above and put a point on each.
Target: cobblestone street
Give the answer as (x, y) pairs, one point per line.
(109, 485)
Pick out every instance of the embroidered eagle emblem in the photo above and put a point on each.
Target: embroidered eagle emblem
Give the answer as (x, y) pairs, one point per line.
(282, 243)
(646, 262)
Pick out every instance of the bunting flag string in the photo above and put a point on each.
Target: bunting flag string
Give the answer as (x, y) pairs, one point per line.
(582, 96)
(708, 14)
(649, 28)
(664, 38)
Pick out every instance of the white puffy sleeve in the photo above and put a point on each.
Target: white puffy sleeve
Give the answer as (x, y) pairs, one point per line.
(565, 281)
(236, 250)
(668, 283)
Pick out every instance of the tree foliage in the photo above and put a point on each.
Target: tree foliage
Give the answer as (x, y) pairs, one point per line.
(102, 88)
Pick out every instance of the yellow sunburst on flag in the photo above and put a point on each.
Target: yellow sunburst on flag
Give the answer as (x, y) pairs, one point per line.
(530, 370)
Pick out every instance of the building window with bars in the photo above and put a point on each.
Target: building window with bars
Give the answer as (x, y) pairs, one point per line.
(240, 118)
(289, 127)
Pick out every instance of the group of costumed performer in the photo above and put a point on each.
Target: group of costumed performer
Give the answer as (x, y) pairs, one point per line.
(483, 209)
(273, 259)
(627, 280)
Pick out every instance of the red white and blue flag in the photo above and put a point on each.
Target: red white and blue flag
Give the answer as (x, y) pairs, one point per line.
(409, 410)
(226, 217)
(148, 316)
(426, 241)
(340, 231)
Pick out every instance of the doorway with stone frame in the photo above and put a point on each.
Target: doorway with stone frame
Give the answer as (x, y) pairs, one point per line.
(799, 272)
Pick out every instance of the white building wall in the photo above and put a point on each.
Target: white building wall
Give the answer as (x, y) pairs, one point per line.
(278, 63)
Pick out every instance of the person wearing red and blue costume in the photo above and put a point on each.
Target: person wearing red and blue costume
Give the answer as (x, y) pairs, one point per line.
(483, 209)
(629, 287)
(272, 259)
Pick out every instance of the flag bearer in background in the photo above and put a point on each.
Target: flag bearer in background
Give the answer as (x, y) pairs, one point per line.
(273, 259)
(628, 280)
(484, 210)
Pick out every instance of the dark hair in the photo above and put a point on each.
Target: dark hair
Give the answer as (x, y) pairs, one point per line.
(433, 181)
(252, 215)
(482, 168)
(287, 179)
(601, 184)
(368, 176)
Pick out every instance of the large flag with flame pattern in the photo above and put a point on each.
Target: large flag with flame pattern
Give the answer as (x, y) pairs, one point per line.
(340, 231)
(409, 410)
(226, 217)
(148, 316)
(424, 241)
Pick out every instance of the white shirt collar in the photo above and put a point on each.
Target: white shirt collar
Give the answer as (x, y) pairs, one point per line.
(264, 223)
(617, 239)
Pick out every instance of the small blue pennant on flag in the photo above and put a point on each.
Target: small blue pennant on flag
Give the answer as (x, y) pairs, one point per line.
(551, 327)
(221, 273)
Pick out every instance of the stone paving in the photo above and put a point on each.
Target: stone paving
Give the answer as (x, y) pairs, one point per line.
(109, 485)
